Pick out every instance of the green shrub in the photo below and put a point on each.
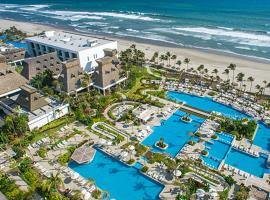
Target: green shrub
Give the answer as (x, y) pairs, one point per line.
(204, 152)
(130, 161)
(144, 169)
(191, 142)
(214, 137)
(42, 152)
(96, 194)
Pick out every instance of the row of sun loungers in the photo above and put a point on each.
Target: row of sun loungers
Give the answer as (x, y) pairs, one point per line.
(236, 171)
(39, 143)
(247, 150)
(156, 176)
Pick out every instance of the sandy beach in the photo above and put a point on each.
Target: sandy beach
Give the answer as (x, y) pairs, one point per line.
(260, 70)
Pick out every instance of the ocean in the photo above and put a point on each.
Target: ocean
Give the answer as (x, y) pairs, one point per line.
(241, 27)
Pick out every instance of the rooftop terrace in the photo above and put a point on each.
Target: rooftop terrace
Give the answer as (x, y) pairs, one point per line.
(67, 40)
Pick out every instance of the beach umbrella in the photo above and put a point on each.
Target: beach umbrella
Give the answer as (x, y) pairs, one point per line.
(177, 173)
(75, 175)
(131, 147)
(102, 141)
(87, 195)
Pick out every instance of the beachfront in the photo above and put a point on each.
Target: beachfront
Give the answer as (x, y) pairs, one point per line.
(167, 132)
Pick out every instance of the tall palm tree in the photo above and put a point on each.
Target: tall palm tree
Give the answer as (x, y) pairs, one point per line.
(187, 61)
(251, 80)
(174, 58)
(162, 58)
(215, 71)
(227, 72)
(53, 183)
(265, 84)
(179, 63)
(240, 78)
(168, 54)
(232, 67)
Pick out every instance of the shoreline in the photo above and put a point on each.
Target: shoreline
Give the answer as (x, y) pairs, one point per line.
(211, 59)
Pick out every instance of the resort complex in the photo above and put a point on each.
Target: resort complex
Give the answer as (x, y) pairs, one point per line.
(81, 120)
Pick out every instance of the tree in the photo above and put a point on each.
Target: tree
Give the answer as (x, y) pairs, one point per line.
(162, 58)
(227, 72)
(215, 71)
(232, 67)
(168, 55)
(240, 78)
(53, 183)
(251, 80)
(174, 58)
(179, 63)
(187, 61)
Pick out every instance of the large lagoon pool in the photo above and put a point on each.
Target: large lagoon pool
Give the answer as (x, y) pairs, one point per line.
(262, 138)
(122, 182)
(206, 104)
(175, 133)
(248, 163)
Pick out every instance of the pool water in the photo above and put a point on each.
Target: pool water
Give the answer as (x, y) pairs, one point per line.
(248, 163)
(175, 133)
(262, 138)
(217, 151)
(206, 104)
(122, 182)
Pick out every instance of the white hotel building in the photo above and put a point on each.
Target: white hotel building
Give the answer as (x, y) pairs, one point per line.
(69, 45)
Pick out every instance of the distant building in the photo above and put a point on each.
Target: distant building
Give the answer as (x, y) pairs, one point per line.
(13, 55)
(16, 96)
(39, 64)
(70, 75)
(109, 72)
(69, 46)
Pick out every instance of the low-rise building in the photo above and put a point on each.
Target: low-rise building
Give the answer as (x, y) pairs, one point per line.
(69, 46)
(39, 64)
(71, 76)
(16, 96)
(13, 55)
(109, 72)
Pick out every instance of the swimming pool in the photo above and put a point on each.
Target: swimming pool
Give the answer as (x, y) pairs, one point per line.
(217, 151)
(262, 138)
(206, 104)
(175, 133)
(248, 163)
(121, 181)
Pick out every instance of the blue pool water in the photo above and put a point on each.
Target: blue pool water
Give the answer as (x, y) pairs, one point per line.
(206, 104)
(262, 137)
(17, 44)
(245, 162)
(121, 181)
(175, 133)
(217, 151)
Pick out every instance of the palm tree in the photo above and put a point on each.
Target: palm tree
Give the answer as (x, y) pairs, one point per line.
(232, 67)
(215, 71)
(227, 72)
(168, 54)
(240, 78)
(251, 80)
(265, 84)
(187, 61)
(162, 58)
(174, 58)
(53, 183)
(179, 63)
(167, 59)
(155, 56)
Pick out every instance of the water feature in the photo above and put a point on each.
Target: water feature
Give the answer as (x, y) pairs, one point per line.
(121, 181)
(175, 133)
